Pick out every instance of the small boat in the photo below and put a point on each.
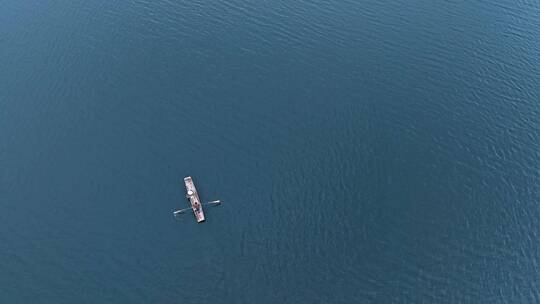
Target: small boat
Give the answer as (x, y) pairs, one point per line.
(195, 201)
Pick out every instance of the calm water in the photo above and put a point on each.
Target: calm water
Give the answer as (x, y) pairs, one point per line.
(365, 151)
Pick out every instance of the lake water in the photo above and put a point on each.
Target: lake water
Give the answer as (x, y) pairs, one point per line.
(364, 151)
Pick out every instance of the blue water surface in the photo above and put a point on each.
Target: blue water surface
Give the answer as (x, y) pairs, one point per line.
(364, 151)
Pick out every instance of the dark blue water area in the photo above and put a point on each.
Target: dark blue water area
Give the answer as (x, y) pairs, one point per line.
(364, 151)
